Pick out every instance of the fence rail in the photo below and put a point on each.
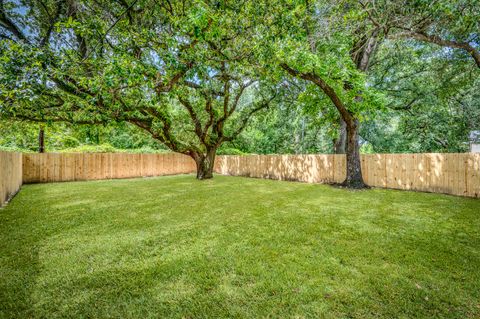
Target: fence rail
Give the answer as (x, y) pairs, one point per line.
(10, 175)
(457, 174)
(60, 167)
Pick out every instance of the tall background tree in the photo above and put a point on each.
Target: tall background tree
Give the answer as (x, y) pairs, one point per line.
(428, 69)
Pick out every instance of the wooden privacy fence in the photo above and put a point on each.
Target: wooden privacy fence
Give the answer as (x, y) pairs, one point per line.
(59, 167)
(10, 175)
(457, 174)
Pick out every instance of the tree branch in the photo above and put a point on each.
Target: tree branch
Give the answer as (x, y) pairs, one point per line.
(421, 36)
(195, 119)
(327, 89)
(263, 105)
(435, 39)
(166, 87)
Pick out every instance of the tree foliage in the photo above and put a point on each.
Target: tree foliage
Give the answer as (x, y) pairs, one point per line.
(280, 76)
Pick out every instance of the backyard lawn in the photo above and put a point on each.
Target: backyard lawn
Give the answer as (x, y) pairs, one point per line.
(176, 247)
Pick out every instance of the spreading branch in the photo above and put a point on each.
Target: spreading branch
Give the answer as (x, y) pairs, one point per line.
(327, 89)
(435, 39)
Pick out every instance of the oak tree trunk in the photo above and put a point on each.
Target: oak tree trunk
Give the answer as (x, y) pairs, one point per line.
(205, 163)
(354, 177)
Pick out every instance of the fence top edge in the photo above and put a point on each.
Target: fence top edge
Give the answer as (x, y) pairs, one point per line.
(246, 155)
(9, 152)
(96, 153)
(330, 154)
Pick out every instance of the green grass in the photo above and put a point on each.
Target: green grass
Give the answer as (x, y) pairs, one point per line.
(174, 247)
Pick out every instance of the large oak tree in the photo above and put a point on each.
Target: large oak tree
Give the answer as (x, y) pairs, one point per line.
(178, 70)
(310, 41)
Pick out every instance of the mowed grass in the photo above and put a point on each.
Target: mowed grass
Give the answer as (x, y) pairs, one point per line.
(232, 247)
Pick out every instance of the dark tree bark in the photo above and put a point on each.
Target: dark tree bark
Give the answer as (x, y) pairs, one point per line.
(41, 140)
(354, 177)
(205, 164)
(340, 143)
